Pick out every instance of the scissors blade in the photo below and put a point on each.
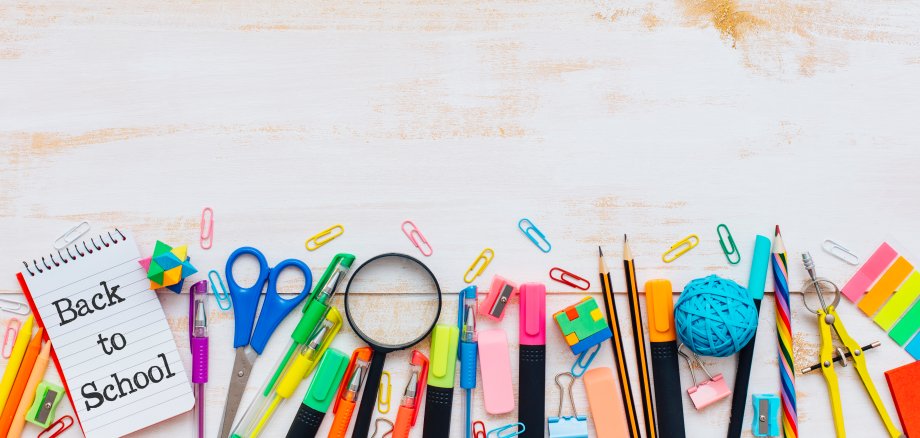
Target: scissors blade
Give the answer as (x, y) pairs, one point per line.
(242, 368)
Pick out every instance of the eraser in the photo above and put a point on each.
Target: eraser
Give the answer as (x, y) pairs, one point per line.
(495, 364)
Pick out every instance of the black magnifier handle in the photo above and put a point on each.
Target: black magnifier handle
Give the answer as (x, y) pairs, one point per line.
(369, 395)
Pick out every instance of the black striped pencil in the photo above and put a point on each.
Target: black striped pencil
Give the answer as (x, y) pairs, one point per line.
(639, 339)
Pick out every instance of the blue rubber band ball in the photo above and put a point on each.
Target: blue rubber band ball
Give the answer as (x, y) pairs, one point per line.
(715, 316)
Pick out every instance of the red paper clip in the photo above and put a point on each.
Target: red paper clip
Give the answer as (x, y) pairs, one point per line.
(479, 432)
(207, 228)
(9, 337)
(415, 236)
(568, 278)
(58, 427)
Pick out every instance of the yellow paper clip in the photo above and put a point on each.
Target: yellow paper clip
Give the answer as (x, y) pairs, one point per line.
(485, 257)
(680, 248)
(383, 406)
(324, 237)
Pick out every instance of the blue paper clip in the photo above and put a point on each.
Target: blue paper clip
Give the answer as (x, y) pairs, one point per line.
(575, 426)
(223, 299)
(515, 430)
(532, 232)
(583, 361)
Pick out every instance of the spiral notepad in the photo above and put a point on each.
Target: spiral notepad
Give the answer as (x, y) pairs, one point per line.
(112, 344)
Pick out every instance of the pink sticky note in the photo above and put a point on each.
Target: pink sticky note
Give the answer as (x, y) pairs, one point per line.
(869, 272)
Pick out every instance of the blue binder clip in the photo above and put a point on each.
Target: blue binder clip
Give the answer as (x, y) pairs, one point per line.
(766, 412)
(575, 426)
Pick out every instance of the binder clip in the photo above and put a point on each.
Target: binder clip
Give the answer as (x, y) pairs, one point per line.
(706, 392)
(766, 409)
(47, 397)
(575, 426)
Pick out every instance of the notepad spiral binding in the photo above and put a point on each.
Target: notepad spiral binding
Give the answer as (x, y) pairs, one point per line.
(66, 258)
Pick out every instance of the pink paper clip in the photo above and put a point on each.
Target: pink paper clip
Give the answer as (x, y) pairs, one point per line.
(57, 428)
(207, 228)
(9, 338)
(415, 236)
(568, 278)
(707, 392)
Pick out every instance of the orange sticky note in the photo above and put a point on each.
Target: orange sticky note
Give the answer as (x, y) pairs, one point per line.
(885, 286)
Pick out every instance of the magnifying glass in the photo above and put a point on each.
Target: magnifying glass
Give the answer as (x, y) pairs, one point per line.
(392, 302)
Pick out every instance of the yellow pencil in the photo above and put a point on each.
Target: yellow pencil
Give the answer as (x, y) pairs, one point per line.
(12, 367)
(38, 373)
(639, 339)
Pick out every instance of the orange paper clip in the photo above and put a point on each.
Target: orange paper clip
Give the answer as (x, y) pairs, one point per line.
(207, 228)
(485, 257)
(568, 278)
(57, 428)
(9, 338)
(417, 238)
(479, 429)
(324, 237)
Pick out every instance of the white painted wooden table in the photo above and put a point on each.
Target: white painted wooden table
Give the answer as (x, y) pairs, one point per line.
(593, 119)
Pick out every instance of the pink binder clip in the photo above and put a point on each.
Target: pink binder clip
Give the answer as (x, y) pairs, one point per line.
(9, 337)
(417, 238)
(706, 392)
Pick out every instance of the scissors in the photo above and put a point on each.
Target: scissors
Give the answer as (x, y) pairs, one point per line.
(248, 343)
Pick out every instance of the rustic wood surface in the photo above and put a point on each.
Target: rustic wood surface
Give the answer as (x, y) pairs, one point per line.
(592, 118)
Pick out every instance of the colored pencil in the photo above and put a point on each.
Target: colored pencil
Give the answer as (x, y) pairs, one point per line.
(639, 339)
(36, 374)
(12, 367)
(19, 386)
(613, 321)
(784, 337)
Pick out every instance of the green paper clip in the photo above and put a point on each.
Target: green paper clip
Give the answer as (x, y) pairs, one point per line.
(47, 397)
(731, 241)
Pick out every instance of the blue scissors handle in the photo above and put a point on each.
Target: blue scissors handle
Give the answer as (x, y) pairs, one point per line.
(246, 300)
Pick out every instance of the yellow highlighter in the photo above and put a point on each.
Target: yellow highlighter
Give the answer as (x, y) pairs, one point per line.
(299, 366)
(12, 367)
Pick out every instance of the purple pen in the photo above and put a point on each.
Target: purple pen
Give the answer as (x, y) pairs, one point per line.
(198, 339)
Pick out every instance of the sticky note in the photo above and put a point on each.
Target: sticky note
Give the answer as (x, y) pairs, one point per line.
(914, 348)
(902, 382)
(885, 286)
(908, 325)
(900, 302)
(870, 271)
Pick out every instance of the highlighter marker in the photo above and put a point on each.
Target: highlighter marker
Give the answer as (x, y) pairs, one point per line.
(412, 397)
(663, 345)
(319, 395)
(22, 378)
(28, 396)
(349, 391)
(441, 377)
(532, 359)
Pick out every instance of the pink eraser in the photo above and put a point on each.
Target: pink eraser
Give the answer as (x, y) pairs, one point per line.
(495, 364)
(870, 271)
(499, 296)
(532, 320)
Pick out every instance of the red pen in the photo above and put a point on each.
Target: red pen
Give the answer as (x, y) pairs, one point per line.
(348, 392)
(412, 398)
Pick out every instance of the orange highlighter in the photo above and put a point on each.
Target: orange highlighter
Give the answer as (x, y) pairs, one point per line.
(348, 392)
(412, 398)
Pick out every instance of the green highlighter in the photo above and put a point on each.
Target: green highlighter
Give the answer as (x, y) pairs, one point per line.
(320, 395)
(441, 377)
(311, 337)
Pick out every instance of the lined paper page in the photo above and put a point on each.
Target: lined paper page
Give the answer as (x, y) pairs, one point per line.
(112, 340)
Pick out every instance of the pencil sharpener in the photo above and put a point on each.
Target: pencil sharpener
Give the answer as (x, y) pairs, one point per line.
(709, 392)
(766, 411)
(568, 427)
(499, 296)
(47, 397)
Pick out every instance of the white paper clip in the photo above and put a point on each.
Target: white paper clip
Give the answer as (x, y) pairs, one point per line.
(13, 306)
(839, 251)
(71, 235)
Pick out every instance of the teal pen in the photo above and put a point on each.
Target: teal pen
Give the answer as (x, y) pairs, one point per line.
(466, 322)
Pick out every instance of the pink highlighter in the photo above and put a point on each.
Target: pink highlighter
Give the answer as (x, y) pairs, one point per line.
(532, 360)
(495, 364)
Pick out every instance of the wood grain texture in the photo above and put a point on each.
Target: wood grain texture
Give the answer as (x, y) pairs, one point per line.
(592, 118)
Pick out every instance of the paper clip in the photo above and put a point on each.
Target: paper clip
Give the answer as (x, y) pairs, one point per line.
(207, 228)
(480, 431)
(724, 234)
(71, 235)
(223, 299)
(680, 248)
(532, 232)
(14, 306)
(568, 278)
(583, 361)
(417, 238)
(513, 429)
(485, 257)
(9, 337)
(377, 427)
(324, 237)
(383, 406)
(839, 251)
(57, 428)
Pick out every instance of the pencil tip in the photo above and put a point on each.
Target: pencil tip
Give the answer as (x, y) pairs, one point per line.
(600, 252)
(624, 237)
(776, 233)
